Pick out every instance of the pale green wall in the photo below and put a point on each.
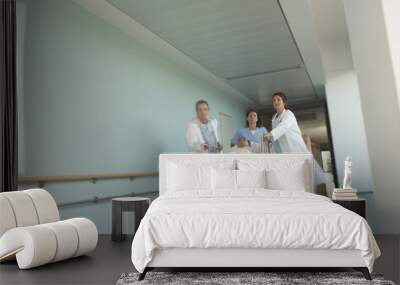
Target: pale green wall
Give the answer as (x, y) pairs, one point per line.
(97, 101)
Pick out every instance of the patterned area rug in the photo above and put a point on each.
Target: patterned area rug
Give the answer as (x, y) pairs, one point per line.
(231, 278)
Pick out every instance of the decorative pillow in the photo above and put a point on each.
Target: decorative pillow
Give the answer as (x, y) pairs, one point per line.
(188, 177)
(251, 178)
(224, 179)
(291, 179)
(282, 174)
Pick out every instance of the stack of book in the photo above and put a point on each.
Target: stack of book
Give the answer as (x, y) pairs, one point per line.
(344, 194)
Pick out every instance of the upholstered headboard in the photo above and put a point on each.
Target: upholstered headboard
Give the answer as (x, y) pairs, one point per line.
(277, 162)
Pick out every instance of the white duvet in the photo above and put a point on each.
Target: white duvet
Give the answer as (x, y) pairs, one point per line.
(253, 218)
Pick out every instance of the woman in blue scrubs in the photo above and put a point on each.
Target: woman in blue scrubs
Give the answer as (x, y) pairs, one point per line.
(254, 132)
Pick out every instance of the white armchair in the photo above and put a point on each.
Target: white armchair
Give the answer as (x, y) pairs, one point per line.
(31, 230)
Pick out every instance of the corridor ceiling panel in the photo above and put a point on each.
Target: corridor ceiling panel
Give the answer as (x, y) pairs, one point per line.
(246, 42)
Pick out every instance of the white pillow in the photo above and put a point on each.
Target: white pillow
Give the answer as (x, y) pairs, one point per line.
(291, 179)
(188, 177)
(224, 179)
(251, 178)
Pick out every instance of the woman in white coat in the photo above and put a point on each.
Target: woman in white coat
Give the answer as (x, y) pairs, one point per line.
(285, 135)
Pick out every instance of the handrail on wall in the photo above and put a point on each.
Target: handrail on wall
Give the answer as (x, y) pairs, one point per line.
(41, 180)
(96, 199)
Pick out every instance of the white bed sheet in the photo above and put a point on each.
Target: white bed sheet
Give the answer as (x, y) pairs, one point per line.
(251, 218)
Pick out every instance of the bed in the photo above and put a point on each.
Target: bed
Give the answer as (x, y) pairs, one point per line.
(246, 211)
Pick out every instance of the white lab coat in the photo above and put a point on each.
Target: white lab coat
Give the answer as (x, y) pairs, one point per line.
(194, 138)
(287, 138)
(286, 134)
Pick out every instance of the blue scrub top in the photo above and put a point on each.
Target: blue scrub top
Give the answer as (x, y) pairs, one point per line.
(246, 133)
(209, 136)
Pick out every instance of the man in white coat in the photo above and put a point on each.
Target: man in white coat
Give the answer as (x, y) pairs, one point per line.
(202, 132)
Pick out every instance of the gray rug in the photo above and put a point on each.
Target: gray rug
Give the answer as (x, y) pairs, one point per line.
(231, 278)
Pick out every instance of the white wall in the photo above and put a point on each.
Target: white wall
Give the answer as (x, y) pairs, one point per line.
(347, 127)
(379, 96)
(348, 133)
(391, 11)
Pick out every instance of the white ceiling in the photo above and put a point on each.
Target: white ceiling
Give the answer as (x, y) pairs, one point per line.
(293, 82)
(247, 43)
(332, 34)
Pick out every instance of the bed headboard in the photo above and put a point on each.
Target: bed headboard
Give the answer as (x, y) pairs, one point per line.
(272, 160)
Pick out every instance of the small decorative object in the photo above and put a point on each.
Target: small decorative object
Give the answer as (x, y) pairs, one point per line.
(347, 173)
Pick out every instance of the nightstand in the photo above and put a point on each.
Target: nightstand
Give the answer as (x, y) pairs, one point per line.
(358, 206)
(124, 204)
